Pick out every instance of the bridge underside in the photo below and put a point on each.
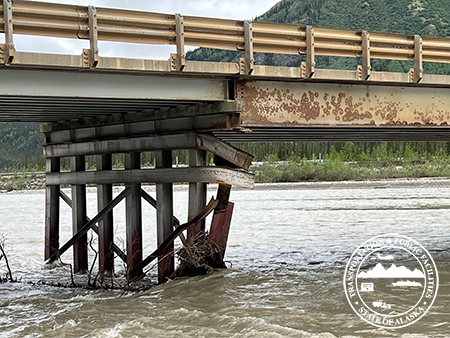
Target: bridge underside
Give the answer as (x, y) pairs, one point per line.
(241, 109)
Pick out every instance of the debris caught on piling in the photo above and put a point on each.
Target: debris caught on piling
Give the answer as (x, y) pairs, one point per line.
(199, 256)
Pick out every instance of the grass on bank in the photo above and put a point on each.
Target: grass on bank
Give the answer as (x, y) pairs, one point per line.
(338, 170)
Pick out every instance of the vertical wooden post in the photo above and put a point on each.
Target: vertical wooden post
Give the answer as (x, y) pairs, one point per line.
(197, 192)
(106, 225)
(134, 216)
(164, 217)
(79, 215)
(221, 221)
(52, 210)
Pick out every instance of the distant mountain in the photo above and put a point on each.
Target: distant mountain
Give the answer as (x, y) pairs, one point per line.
(392, 272)
(426, 18)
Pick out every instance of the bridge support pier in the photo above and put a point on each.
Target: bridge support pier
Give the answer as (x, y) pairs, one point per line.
(52, 210)
(79, 214)
(133, 215)
(197, 193)
(104, 138)
(164, 217)
(106, 225)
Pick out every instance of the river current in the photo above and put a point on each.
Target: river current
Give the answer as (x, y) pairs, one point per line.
(288, 249)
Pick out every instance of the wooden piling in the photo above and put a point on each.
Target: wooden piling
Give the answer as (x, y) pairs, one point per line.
(134, 217)
(52, 210)
(164, 218)
(79, 215)
(106, 225)
(197, 192)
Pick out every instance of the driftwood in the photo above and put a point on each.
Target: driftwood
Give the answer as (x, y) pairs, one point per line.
(199, 256)
(3, 255)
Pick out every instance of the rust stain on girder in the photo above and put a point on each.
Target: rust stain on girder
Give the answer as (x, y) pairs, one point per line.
(298, 103)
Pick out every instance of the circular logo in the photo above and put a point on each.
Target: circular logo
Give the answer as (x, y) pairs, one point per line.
(391, 281)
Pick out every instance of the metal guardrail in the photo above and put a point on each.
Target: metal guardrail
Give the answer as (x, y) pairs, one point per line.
(106, 24)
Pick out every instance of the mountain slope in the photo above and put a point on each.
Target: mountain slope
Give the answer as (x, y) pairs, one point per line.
(426, 18)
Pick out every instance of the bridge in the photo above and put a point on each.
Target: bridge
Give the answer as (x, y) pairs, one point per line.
(96, 105)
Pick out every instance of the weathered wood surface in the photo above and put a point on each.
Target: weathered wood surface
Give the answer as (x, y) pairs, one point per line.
(95, 228)
(164, 217)
(212, 144)
(81, 232)
(159, 175)
(158, 252)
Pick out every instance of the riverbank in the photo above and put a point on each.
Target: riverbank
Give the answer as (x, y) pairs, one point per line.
(297, 174)
(424, 182)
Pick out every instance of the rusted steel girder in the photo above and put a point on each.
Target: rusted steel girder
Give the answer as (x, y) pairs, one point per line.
(291, 104)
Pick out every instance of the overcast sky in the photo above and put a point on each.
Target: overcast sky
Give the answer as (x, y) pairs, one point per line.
(230, 9)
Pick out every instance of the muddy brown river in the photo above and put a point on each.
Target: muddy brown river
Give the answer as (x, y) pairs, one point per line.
(288, 249)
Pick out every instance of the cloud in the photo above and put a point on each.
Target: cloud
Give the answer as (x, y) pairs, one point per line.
(392, 272)
(230, 9)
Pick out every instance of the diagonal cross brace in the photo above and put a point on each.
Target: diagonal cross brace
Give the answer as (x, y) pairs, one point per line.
(115, 248)
(89, 225)
(202, 215)
(152, 202)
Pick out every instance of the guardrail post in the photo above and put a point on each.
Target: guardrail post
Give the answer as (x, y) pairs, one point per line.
(10, 50)
(181, 57)
(248, 64)
(416, 73)
(93, 37)
(365, 69)
(309, 67)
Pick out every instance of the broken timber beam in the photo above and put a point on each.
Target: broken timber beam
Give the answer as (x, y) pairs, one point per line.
(161, 175)
(209, 143)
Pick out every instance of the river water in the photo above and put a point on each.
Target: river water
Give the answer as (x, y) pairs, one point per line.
(288, 248)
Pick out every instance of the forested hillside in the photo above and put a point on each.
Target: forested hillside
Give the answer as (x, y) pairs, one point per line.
(426, 18)
(20, 144)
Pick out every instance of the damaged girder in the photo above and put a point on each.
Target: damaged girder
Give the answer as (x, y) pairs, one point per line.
(164, 175)
(212, 144)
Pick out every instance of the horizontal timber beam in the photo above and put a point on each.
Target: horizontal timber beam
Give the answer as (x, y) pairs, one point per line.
(202, 123)
(153, 143)
(145, 115)
(171, 175)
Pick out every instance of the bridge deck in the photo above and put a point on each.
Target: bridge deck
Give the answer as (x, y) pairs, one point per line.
(278, 102)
